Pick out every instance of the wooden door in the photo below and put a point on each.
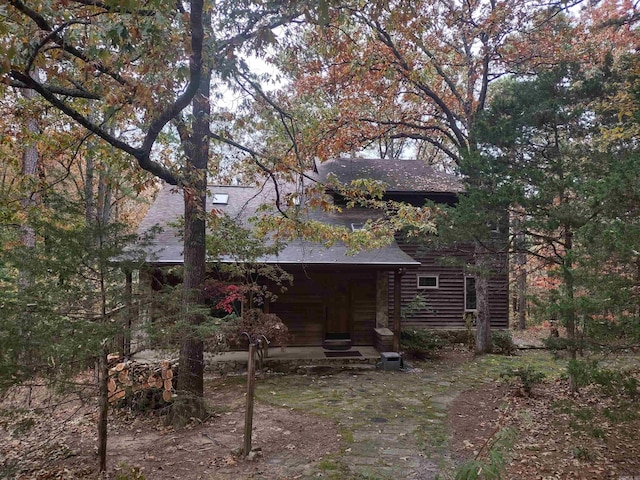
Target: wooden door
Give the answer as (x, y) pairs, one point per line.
(338, 311)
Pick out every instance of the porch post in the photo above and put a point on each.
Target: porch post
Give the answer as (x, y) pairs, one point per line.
(397, 300)
(382, 299)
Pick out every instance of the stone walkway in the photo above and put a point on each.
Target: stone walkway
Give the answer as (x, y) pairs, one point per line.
(392, 423)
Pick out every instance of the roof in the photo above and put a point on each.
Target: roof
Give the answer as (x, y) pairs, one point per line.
(398, 175)
(166, 247)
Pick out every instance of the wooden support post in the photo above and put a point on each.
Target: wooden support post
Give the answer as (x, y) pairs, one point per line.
(128, 300)
(103, 407)
(251, 382)
(397, 300)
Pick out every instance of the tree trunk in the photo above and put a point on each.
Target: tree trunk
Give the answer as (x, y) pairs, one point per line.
(89, 204)
(483, 319)
(104, 198)
(251, 383)
(191, 368)
(521, 288)
(482, 257)
(29, 172)
(567, 309)
(103, 408)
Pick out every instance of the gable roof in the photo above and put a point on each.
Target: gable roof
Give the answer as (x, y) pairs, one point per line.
(166, 247)
(397, 175)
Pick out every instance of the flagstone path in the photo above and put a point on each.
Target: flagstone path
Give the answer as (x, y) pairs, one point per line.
(393, 424)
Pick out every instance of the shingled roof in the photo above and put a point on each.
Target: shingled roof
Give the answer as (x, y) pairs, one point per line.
(398, 175)
(243, 202)
(166, 247)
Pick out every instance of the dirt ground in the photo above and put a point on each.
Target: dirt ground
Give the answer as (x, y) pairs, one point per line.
(59, 441)
(559, 436)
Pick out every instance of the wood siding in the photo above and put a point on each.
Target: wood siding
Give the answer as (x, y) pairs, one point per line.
(445, 304)
(308, 304)
(363, 309)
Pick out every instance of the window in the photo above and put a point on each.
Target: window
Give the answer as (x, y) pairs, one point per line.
(428, 281)
(470, 304)
(357, 226)
(220, 199)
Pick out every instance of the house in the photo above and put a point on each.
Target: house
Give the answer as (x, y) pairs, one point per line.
(337, 299)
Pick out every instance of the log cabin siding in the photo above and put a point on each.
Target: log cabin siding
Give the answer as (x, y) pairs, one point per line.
(363, 309)
(305, 307)
(445, 304)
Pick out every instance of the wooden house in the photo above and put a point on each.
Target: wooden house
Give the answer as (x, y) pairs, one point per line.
(336, 299)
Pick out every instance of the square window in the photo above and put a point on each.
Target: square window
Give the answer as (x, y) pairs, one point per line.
(428, 281)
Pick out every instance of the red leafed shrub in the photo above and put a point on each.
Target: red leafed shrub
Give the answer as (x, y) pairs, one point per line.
(222, 296)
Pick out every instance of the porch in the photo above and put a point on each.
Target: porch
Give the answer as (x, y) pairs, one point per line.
(296, 359)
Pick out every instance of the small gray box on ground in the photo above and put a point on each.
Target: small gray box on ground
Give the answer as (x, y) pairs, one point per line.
(390, 360)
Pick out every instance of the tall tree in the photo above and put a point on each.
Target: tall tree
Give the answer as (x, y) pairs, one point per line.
(419, 71)
(143, 68)
(561, 156)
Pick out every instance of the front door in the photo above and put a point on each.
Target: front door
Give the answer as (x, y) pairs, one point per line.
(338, 312)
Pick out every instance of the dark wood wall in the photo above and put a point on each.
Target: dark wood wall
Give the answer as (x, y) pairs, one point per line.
(445, 304)
(307, 305)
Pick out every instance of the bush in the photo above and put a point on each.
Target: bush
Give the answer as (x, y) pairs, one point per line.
(613, 383)
(527, 376)
(491, 464)
(421, 344)
(556, 344)
(257, 323)
(502, 343)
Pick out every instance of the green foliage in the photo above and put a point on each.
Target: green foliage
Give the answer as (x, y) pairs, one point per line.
(557, 344)
(581, 371)
(168, 328)
(622, 331)
(613, 383)
(552, 148)
(502, 343)
(527, 377)
(469, 319)
(235, 250)
(582, 453)
(491, 467)
(61, 298)
(421, 344)
(417, 303)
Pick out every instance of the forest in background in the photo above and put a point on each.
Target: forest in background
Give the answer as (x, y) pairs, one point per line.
(534, 104)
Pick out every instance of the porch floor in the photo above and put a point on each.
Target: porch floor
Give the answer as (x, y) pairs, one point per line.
(293, 359)
(297, 353)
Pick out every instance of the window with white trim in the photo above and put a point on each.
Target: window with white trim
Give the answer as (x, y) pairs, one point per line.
(428, 281)
(220, 199)
(470, 301)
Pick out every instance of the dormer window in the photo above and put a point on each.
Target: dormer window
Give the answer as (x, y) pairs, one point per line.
(220, 199)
